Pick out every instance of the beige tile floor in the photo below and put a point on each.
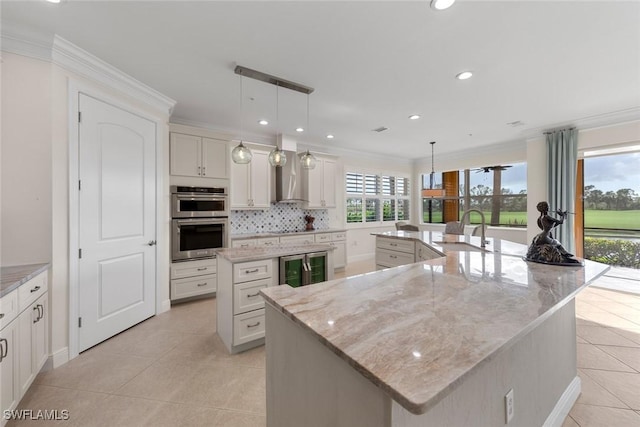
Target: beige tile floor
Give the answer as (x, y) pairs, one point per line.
(173, 370)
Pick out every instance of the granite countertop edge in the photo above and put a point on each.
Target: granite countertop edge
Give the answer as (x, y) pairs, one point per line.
(12, 277)
(241, 236)
(266, 252)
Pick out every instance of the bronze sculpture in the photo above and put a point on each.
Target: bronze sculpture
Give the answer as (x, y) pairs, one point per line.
(544, 248)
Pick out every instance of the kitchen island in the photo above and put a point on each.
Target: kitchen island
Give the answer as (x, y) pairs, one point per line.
(434, 343)
(242, 273)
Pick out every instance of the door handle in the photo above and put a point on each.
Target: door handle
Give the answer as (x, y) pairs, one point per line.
(1, 315)
(40, 311)
(38, 315)
(151, 242)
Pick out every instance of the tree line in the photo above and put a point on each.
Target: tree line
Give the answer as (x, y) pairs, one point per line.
(622, 200)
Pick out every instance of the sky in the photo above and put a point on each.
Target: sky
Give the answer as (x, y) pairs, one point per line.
(611, 173)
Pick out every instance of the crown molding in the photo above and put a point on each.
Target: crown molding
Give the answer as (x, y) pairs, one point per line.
(58, 51)
(590, 122)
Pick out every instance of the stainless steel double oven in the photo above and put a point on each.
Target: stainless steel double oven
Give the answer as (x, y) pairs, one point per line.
(200, 221)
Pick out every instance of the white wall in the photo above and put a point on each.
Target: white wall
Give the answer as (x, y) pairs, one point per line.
(26, 160)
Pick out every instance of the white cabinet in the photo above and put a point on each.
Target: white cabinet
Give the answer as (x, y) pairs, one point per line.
(319, 184)
(193, 278)
(251, 243)
(303, 239)
(392, 252)
(240, 307)
(339, 241)
(251, 183)
(425, 253)
(32, 342)
(198, 156)
(9, 390)
(24, 339)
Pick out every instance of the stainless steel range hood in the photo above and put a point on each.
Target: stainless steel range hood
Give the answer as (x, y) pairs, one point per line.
(288, 178)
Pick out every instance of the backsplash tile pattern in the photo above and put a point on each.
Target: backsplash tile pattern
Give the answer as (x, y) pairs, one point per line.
(280, 217)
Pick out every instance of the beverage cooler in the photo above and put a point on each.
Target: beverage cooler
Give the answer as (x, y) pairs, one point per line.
(305, 269)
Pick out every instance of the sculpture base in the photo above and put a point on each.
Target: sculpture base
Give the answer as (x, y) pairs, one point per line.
(550, 254)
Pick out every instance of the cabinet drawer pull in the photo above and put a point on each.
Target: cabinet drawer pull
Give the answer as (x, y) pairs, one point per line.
(4, 349)
(255, 270)
(36, 289)
(202, 284)
(393, 256)
(254, 325)
(393, 244)
(202, 269)
(1, 315)
(253, 295)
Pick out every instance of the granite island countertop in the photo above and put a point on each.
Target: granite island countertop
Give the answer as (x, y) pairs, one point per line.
(274, 251)
(418, 331)
(12, 277)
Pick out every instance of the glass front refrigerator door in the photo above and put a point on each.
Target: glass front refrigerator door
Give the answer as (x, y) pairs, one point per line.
(292, 270)
(317, 263)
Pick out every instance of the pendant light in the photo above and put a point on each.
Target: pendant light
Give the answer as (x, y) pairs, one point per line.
(432, 192)
(308, 160)
(277, 157)
(241, 154)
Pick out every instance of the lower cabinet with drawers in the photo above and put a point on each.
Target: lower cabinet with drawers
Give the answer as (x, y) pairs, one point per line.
(392, 252)
(240, 308)
(24, 339)
(193, 278)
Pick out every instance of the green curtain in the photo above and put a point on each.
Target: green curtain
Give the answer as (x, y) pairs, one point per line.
(562, 164)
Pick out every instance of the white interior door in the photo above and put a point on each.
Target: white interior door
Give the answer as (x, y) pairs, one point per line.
(117, 208)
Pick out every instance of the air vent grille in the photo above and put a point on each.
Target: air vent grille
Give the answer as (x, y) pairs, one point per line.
(381, 129)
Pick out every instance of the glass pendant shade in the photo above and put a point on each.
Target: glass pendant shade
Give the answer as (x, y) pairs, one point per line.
(241, 154)
(308, 161)
(277, 157)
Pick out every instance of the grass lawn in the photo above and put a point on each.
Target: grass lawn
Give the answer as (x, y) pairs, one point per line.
(612, 219)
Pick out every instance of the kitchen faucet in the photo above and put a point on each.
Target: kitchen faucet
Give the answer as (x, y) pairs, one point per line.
(464, 217)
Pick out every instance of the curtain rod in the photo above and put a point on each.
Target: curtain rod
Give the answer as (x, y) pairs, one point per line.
(549, 132)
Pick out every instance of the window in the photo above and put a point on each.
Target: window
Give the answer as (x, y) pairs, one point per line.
(499, 192)
(376, 198)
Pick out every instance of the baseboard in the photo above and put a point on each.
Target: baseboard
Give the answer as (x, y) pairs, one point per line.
(58, 358)
(165, 306)
(564, 405)
(363, 257)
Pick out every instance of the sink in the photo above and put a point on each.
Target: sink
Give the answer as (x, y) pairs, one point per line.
(459, 246)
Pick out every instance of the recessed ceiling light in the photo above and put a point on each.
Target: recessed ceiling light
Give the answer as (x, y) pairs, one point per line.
(464, 75)
(414, 117)
(299, 130)
(329, 136)
(441, 4)
(263, 122)
(53, 1)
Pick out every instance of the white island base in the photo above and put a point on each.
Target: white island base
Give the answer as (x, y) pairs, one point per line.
(310, 385)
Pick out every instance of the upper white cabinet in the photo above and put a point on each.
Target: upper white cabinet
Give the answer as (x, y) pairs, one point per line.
(198, 156)
(319, 184)
(251, 183)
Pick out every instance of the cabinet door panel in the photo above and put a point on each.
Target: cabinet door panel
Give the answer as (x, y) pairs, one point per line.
(8, 365)
(260, 179)
(339, 254)
(214, 158)
(185, 154)
(240, 186)
(314, 189)
(329, 183)
(40, 343)
(25, 348)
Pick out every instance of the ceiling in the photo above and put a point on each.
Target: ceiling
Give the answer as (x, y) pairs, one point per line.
(541, 64)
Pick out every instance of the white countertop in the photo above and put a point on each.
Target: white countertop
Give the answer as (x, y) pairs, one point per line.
(417, 331)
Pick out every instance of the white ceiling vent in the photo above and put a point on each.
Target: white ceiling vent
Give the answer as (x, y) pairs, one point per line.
(381, 129)
(515, 124)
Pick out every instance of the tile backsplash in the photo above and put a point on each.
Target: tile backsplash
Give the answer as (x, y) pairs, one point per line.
(280, 217)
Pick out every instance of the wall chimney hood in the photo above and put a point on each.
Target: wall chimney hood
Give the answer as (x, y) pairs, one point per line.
(288, 179)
